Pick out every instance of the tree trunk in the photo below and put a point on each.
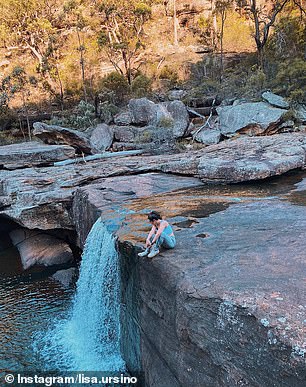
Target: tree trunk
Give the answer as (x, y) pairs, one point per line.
(215, 25)
(82, 62)
(175, 35)
(223, 17)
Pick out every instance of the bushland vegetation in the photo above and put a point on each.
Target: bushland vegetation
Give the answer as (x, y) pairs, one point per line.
(78, 61)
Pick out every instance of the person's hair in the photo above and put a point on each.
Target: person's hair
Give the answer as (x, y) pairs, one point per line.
(153, 215)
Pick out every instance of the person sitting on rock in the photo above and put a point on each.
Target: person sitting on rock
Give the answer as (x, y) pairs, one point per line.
(161, 235)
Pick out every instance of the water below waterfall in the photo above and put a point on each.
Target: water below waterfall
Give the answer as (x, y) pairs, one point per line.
(49, 325)
(88, 339)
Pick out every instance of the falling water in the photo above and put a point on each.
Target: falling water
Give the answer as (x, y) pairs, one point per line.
(89, 339)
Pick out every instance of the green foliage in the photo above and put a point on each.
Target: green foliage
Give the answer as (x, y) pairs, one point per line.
(141, 86)
(166, 122)
(82, 118)
(113, 88)
(121, 36)
(288, 38)
(290, 80)
(170, 74)
(107, 111)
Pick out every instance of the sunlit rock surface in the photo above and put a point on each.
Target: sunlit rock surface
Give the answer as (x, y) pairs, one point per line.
(42, 197)
(227, 306)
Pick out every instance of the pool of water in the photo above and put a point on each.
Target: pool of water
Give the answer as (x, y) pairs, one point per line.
(29, 302)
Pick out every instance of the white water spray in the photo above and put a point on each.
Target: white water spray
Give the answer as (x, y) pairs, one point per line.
(89, 339)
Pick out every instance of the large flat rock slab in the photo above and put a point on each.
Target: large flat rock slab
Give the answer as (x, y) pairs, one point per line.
(228, 303)
(247, 115)
(42, 197)
(257, 158)
(29, 154)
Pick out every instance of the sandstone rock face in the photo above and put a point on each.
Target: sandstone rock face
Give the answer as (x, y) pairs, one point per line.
(36, 248)
(41, 198)
(234, 161)
(101, 138)
(275, 100)
(53, 134)
(229, 309)
(208, 136)
(30, 154)
(234, 118)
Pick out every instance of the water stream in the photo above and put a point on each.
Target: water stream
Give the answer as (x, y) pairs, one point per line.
(88, 338)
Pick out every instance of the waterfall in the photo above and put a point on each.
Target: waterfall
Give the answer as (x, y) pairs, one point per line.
(89, 339)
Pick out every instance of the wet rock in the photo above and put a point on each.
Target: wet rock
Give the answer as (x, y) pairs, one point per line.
(101, 138)
(41, 198)
(65, 277)
(232, 308)
(208, 136)
(53, 134)
(30, 154)
(236, 117)
(36, 248)
(275, 100)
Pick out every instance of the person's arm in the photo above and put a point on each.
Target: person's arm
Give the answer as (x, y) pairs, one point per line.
(152, 232)
(159, 231)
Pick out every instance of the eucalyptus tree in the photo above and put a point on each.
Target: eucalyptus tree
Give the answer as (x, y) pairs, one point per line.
(221, 9)
(121, 35)
(264, 16)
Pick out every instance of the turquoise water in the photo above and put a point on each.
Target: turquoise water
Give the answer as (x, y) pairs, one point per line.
(29, 301)
(88, 338)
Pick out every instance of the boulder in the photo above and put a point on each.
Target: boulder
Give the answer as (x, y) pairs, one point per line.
(174, 95)
(240, 116)
(53, 134)
(143, 111)
(124, 118)
(208, 136)
(256, 158)
(180, 116)
(124, 133)
(65, 277)
(36, 248)
(31, 154)
(275, 100)
(300, 113)
(101, 137)
(173, 116)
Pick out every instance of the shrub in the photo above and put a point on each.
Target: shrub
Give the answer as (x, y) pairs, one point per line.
(141, 86)
(82, 118)
(114, 88)
(107, 112)
(170, 74)
(290, 80)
